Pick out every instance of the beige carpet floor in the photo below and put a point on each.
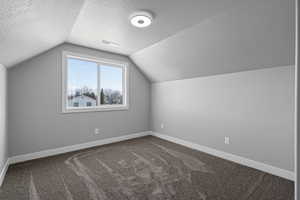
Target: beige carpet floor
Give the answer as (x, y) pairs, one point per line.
(147, 168)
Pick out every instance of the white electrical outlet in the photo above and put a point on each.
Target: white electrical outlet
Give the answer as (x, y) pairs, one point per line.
(162, 125)
(227, 140)
(97, 131)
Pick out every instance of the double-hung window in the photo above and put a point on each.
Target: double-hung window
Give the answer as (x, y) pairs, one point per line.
(93, 84)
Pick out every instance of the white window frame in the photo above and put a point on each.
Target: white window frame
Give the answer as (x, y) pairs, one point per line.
(99, 61)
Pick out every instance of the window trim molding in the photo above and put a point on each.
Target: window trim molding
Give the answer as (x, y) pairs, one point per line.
(64, 83)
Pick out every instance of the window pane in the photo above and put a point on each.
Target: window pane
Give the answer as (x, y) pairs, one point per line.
(82, 83)
(111, 80)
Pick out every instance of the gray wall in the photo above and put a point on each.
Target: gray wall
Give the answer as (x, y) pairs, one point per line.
(34, 119)
(254, 108)
(297, 157)
(3, 132)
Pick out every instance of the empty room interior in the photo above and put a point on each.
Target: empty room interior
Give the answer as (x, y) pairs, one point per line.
(148, 100)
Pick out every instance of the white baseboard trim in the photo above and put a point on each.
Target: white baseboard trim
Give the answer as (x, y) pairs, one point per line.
(3, 172)
(61, 150)
(234, 158)
(228, 156)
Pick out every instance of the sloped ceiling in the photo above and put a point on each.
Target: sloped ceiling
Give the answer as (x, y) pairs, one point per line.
(109, 20)
(187, 38)
(251, 35)
(29, 27)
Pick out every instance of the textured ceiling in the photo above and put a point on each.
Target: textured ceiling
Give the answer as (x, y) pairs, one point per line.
(251, 35)
(187, 38)
(29, 27)
(108, 20)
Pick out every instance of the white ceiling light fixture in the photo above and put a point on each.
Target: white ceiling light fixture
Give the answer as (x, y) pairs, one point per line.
(141, 19)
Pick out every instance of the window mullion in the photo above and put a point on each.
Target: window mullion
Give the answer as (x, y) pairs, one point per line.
(124, 86)
(98, 85)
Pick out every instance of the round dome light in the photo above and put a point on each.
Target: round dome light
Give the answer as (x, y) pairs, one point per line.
(141, 19)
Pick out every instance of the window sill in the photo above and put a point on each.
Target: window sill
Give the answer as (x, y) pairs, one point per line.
(95, 109)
